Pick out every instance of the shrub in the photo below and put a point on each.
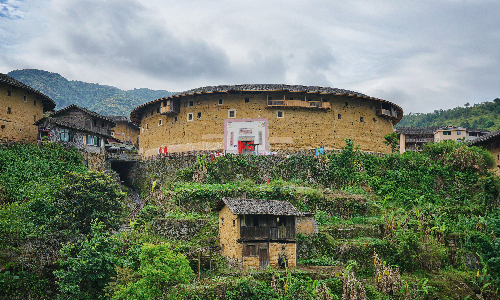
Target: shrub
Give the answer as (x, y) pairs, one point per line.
(86, 197)
(87, 265)
(160, 269)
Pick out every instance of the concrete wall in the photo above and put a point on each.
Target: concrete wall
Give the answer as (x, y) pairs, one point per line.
(297, 129)
(18, 124)
(454, 136)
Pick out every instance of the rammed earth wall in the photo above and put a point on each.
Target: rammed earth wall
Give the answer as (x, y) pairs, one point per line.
(199, 124)
(19, 109)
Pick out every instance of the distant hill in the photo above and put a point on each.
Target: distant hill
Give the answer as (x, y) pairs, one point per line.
(485, 115)
(103, 99)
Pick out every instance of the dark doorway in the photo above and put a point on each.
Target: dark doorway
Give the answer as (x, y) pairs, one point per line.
(263, 258)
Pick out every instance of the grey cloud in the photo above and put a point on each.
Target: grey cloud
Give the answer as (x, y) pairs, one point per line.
(118, 34)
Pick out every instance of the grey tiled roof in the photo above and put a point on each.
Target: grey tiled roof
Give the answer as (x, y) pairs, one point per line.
(48, 104)
(416, 130)
(92, 113)
(69, 125)
(495, 135)
(431, 130)
(123, 119)
(270, 87)
(261, 207)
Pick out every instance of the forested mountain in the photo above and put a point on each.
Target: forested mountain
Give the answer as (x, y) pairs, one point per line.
(481, 116)
(103, 99)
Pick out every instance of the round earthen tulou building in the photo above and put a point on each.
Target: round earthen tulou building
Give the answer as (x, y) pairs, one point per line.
(263, 118)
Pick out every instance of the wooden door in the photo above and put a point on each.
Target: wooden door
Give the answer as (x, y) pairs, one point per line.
(263, 258)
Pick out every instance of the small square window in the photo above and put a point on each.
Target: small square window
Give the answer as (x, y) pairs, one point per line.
(160, 122)
(232, 113)
(175, 119)
(339, 116)
(9, 110)
(247, 100)
(220, 102)
(361, 119)
(191, 103)
(190, 117)
(459, 132)
(198, 115)
(280, 114)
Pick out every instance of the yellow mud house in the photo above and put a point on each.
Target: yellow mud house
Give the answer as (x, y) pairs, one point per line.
(257, 233)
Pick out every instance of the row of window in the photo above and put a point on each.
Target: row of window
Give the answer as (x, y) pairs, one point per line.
(449, 132)
(191, 104)
(25, 99)
(232, 114)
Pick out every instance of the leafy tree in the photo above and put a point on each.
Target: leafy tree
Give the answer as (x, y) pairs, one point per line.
(86, 197)
(391, 140)
(161, 268)
(87, 265)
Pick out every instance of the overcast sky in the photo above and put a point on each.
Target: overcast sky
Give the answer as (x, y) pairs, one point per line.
(422, 55)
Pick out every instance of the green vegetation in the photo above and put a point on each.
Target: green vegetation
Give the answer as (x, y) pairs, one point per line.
(480, 116)
(421, 225)
(103, 99)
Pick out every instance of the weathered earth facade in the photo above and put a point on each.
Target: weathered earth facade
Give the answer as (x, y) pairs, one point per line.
(20, 107)
(294, 117)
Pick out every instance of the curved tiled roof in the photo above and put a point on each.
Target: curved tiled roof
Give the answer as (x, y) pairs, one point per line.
(495, 135)
(122, 119)
(134, 115)
(92, 113)
(260, 207)
(48, 104)
(416, 130)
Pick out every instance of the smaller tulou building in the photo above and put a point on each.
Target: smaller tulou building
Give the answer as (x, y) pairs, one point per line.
(20, 107)
(125, 131)
(76, 126)
(257, 233)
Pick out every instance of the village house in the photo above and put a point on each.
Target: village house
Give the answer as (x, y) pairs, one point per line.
(77, 126)
(414, 138)
(257, 233)
(20, 107)
(125, 131)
